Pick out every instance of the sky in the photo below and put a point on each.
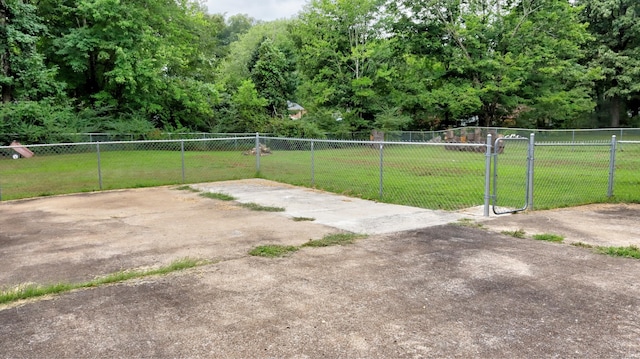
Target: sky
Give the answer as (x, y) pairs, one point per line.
(266, 10)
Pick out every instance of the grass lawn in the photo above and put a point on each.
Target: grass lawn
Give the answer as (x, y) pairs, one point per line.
(428, 177)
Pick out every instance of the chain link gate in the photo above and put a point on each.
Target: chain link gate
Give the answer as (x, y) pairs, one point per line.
(513, 159)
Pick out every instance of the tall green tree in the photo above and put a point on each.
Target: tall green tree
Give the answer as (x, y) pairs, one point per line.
(501, 61)
(137, 57)
(338, 42)
(616, 27)
(23, 74)
(270, 74)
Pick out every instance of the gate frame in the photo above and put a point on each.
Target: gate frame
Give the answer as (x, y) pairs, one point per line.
(528, 200)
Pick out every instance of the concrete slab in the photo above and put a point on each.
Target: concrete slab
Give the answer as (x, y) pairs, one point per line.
(333, 210)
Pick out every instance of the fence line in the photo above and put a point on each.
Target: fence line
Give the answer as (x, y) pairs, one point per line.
(562, 135)
(436, 175)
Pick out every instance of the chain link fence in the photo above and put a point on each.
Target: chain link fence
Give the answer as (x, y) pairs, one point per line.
(437, 175)
(468, 134)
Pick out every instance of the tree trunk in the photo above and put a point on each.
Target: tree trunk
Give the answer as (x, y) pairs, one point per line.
(614, 111)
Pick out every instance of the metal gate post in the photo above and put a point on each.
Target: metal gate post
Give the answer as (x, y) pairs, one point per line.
(487, 177)
(612, 166)
(182, 157)
(313, 166)
(381, 168)
(257, 152)
(530, 165)
(99, 165)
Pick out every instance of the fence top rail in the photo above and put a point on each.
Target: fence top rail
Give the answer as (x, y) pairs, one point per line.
(594, 143)
(129, 142)
(362, 142)
(630, 142)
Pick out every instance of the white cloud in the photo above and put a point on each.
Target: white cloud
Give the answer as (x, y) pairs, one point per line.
(266, 10)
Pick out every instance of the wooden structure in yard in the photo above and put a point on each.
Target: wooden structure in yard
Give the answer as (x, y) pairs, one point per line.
(471, 137)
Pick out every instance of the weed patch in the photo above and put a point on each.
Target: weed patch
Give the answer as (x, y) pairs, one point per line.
(276, 250)
(187, 188)
(256, 207)
(582, 245)
(302, 219)
(34, 290)
(519, 233)
(469, 223)
(219, 196)
(628, 252)
(338, 239)
(273, 251)
(549, 237)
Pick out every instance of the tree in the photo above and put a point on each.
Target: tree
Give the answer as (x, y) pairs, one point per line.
(269, 74)
(507, 61)
(236, 67)
(615, 25)
(338, 42)
(250, 107)
(23, 74)
(150, 58)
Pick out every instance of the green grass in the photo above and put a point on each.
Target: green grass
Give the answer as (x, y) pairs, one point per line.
(428, 177)
(34, 291)
(548, 237)
(187, 188)
(218, 196)
(469, 223)
(273, 250)
(257, 207)
(519, 233)
(338, 239)
(582, 245)
(302, 219)
(628, 252)
(276, 250)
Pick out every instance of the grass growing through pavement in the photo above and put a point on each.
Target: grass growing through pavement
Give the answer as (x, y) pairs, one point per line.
(549, 237)
(519, 233)
(338, 239)
(257, 207)
(272, 250)
(469, 223)
(276, 250)
(34, 291)
(187, 188)
(220, 196)
(252, 206)
(628, 252)
(302, 219)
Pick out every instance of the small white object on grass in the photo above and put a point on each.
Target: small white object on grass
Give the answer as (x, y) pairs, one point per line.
(16, 156)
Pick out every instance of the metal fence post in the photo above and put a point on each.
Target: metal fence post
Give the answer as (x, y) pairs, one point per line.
(182, 155)
(99, 165)
(612, 166)
(530, 165)
(257, 152)
(487, 176)
(313, 167)
(381, 168)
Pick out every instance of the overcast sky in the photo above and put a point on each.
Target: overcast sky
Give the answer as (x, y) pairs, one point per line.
(266, 10)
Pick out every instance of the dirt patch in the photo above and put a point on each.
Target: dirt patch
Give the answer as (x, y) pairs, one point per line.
(445, 291)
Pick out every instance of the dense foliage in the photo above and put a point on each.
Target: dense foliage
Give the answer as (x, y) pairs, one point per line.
(147, 66)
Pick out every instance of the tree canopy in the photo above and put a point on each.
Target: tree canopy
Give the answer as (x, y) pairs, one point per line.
(146, 65)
